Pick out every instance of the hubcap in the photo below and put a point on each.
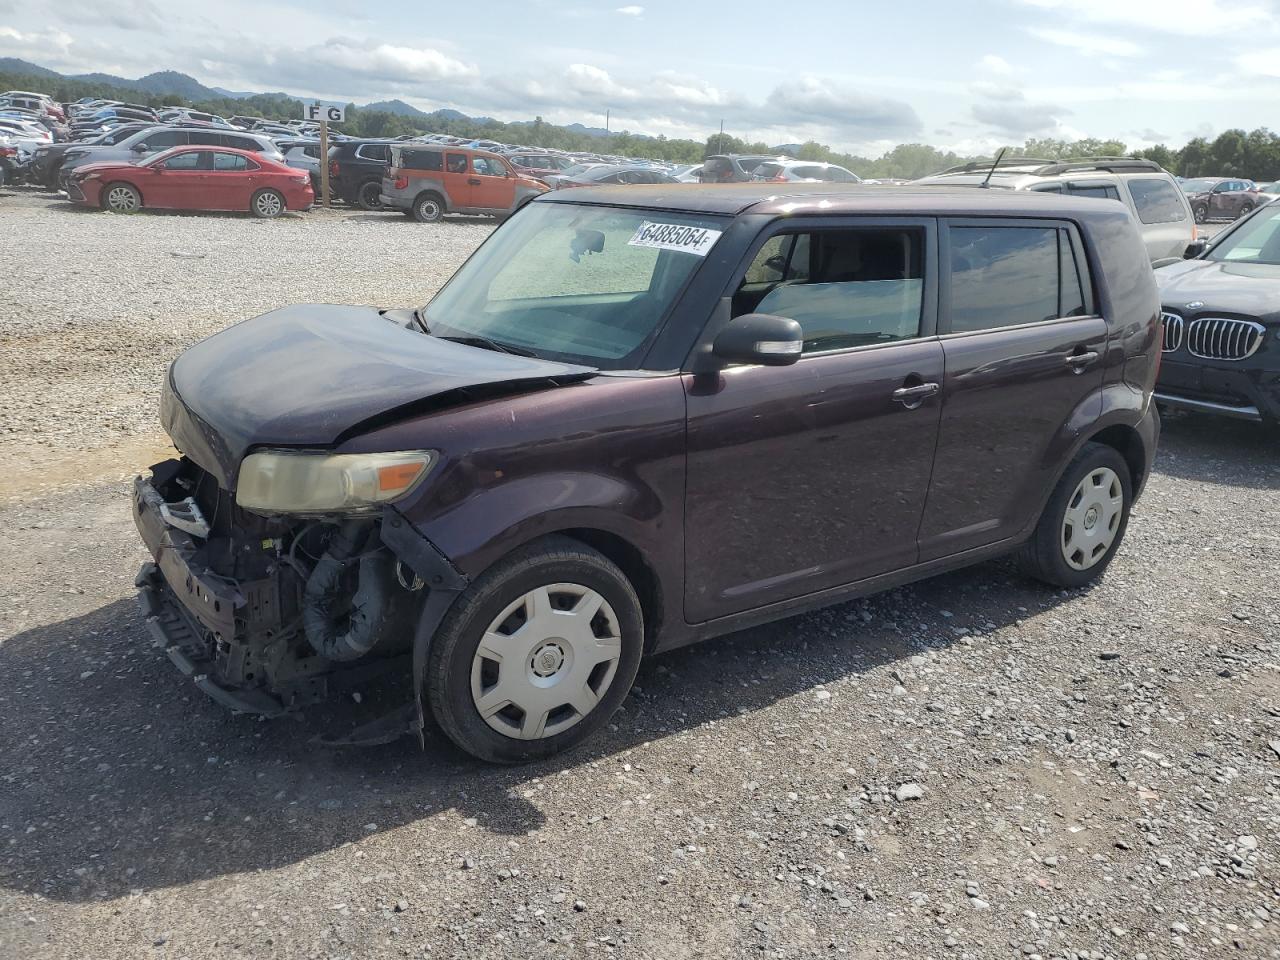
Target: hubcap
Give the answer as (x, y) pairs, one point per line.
(546, 661)
(269, 203)
(1092, 519)
(121, 199)
(429, 209)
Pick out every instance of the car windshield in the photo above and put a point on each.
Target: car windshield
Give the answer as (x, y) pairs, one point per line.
(1197, 186)
(582, 284)
(1257, 240)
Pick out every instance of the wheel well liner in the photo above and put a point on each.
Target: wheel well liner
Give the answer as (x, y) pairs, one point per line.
(636, 568)
(1126, 441)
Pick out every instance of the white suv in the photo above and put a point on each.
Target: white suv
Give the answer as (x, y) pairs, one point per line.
(1147, 189)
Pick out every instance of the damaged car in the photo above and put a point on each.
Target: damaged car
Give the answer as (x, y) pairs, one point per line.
(637, 418)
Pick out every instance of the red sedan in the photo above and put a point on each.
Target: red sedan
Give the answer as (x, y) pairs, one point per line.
(194, 178)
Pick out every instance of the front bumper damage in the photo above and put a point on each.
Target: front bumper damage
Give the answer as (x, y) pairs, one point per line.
(226, 593)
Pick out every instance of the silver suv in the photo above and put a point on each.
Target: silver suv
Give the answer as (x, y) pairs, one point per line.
(1147, 189)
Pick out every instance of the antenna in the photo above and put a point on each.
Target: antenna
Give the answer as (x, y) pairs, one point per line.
(999, 157)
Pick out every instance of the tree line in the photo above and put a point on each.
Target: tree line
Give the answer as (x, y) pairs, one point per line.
(1234, 153)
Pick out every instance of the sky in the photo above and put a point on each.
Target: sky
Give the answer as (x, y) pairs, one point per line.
(858, 76)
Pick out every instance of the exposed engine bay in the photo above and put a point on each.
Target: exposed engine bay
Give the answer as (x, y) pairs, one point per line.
(266, 613)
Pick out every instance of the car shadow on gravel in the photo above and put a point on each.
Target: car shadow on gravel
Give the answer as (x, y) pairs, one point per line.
(117, 774)
(1219, 450)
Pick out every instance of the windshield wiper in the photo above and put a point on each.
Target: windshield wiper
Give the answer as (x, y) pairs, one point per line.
(485, 343)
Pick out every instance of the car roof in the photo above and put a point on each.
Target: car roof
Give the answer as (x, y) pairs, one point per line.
(821, 199)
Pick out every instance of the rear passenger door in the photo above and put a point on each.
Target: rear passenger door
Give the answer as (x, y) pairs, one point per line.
(811, 476)
(1023, 349)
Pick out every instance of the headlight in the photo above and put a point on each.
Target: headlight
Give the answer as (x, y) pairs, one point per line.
(291, 481)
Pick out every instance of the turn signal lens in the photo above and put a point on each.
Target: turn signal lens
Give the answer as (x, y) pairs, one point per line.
(311, 483)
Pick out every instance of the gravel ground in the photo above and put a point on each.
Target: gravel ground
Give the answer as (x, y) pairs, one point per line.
(969, 767)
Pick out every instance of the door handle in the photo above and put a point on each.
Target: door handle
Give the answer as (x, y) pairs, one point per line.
(1078, 361)
(912, 397)
(474, 181)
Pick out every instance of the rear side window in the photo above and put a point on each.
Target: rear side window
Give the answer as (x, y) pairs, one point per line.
(767, 171)
(1157, 201)
(1101, 192)
(846, 288)
(379, 152)
(422, 160)
(1006, 276)
(240, 143)
(230, 161)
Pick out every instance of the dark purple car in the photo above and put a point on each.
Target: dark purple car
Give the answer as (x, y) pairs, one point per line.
(637, 418)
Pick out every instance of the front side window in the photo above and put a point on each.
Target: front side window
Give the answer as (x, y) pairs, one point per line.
(161, 139)
(583, 284)
(846, 288)
(1156, 201)
(1006, 276)
(488, 167)
(184, 161)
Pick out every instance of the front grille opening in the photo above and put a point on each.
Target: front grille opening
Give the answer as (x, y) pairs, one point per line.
(1221, 338)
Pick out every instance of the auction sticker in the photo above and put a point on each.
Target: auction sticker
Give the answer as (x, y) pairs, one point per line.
(675, 236)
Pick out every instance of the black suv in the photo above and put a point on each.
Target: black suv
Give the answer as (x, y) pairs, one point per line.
(356, 168)
(1221, 313)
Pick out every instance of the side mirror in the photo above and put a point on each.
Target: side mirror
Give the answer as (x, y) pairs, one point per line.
(140, 148)
(1194, 249)
(760, 338)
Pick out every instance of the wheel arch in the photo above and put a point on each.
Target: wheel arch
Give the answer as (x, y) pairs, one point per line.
(1126, 441)
(635, 566)
(432, 192)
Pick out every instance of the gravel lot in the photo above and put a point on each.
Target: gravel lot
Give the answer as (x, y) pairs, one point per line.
(969, 767)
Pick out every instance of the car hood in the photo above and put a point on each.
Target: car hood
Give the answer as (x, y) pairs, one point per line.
(1222, 286)
(314, 375)
(97, 166)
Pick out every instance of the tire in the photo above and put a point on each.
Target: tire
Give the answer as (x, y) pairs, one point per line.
(1074, 553)
(1201, 213)
(369, 196)
(427, 208)
(547, 579)
(267, 204)
(121, 198)
(1244, 210)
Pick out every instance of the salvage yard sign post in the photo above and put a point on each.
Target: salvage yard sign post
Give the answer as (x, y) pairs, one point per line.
(326, 113)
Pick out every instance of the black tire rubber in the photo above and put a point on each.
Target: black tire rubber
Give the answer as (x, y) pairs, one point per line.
(369, 196)
(1041, 557)
(253, 205)
(1201, 213)
(554, 559)
(424, 200)
(1245, 210)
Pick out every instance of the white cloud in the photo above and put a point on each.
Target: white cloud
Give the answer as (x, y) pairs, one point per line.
(387, 60)
(994, 65)
(1260, 63)
(1191, 18)
(631, 11)
(1089, 44)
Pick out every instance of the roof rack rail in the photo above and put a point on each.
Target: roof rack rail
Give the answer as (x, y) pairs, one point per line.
(1105, 164)
(981, 166)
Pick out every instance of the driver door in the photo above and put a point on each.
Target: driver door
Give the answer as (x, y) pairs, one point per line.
(811, 476)
(181, 184)
(492, 188)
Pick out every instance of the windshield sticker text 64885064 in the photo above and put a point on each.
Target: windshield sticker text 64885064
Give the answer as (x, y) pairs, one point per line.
(675, 236)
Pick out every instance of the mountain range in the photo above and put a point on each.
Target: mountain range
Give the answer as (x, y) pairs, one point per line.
(189, 88)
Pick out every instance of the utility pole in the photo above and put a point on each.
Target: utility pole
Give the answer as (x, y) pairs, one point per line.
(606, 122)
(324, 164)
(720, 142)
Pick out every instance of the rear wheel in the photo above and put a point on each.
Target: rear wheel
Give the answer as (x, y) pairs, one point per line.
(121, 198)
(1201, 212)
(428, 208)
(267, 204)
(1246, 208)
(537, 655)
(1084, 521)
(369, 196)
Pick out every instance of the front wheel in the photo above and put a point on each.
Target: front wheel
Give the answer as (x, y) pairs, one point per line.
(1201, 213)
(537, 654)
(267, 204)
(1084, 521)
(121, 198)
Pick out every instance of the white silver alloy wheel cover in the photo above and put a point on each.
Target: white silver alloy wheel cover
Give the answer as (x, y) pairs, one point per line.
(122, 199)
(552, 668)
(268, 204)
(429, 209)
(1092, 518)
